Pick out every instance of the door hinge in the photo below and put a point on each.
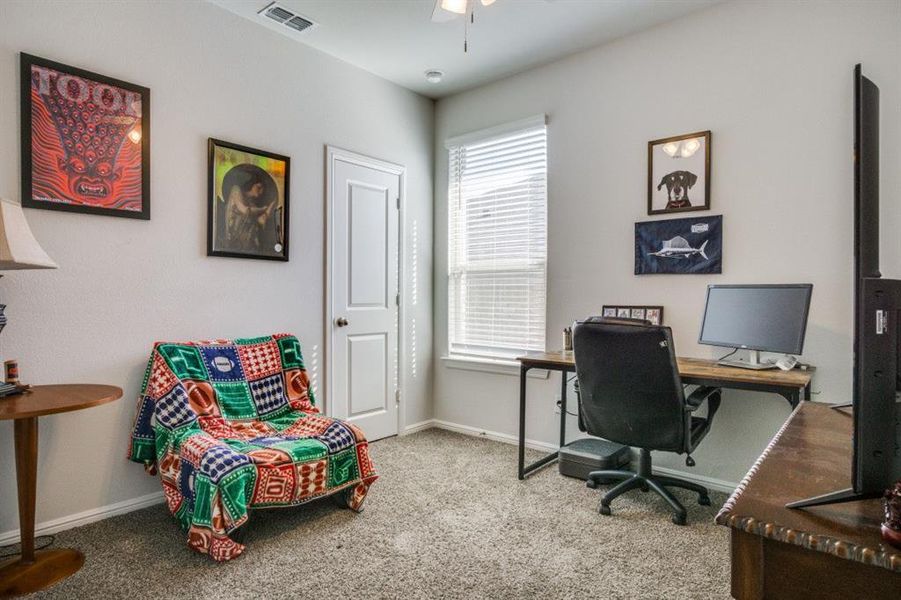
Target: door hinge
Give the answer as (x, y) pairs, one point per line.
(397, 299)
(397, 396)
(398, 203)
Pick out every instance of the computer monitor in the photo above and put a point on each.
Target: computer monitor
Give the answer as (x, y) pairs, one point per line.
(768, 318)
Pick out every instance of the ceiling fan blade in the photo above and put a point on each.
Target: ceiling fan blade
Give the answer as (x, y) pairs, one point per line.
(440, 15)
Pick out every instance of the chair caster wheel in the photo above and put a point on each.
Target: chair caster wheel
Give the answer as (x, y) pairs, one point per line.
(604, 510)
(679, 519)
(591, 484)
(704, 500)
(645, 488)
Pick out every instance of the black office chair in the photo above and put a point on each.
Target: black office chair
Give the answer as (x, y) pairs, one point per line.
(631, 393)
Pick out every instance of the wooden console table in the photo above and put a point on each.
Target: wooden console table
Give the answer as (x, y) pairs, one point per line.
(33, 571)
(832, 551)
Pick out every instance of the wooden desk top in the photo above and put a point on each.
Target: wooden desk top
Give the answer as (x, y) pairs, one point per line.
(552, 358)
(688, 367)
(51, 399)
(810, 455)
(709, 369)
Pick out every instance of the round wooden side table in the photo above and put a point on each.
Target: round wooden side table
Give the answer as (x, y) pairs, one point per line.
(33, 571)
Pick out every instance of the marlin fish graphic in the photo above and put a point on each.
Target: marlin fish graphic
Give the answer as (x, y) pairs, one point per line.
(678, 247)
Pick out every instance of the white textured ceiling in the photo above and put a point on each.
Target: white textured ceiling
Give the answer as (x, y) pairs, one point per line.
(397, 40)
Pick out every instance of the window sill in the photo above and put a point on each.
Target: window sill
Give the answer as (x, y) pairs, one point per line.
(490, 365)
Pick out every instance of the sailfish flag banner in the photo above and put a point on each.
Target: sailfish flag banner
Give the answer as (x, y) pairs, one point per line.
(679, 246)
(232, 425)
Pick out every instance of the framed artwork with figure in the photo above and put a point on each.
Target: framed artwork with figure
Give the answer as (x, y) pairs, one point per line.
(248, 202)
(85, 141)
(679, 173)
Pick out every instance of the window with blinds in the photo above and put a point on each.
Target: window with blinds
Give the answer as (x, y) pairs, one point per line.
(497, 240)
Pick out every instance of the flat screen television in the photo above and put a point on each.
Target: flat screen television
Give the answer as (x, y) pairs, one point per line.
(877, 309)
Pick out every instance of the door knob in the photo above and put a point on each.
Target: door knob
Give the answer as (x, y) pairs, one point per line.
(341, 322)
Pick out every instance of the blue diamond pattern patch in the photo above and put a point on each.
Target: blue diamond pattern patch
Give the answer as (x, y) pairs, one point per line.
(173, 410)
(337, 437)
(219, 461)
(269, 394)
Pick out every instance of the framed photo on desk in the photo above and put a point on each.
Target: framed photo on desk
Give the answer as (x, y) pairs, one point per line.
(654, 314)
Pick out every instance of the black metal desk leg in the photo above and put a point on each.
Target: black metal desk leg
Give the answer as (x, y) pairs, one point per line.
(522, 420)
(807, 392)
(563, 386)
(794, 397)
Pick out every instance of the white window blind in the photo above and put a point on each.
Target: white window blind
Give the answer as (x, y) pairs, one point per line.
(497, 240)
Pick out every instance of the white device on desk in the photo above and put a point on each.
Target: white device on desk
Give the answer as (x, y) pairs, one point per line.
(757, 318)
(787, 362)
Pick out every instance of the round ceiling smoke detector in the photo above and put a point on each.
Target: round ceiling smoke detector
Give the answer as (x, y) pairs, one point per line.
(434, 76)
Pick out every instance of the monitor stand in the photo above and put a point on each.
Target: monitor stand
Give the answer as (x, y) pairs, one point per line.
(753, 362)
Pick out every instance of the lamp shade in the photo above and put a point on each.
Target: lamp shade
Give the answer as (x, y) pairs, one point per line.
(18, 248)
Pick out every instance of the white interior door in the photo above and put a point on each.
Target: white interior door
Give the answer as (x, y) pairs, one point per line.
(364, 202)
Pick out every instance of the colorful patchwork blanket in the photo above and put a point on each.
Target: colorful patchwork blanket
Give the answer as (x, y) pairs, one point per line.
(233, 425)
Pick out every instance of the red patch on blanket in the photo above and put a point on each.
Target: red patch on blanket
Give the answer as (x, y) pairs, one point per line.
(202, 398)
(311, 478)
(218, 428)
(274, 485)
(364, 461)
(269, 456)
(195, 447)
(309, 426)
(297, 384)
(253, 429)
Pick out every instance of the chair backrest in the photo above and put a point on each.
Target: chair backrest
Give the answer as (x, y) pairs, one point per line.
(629, 383)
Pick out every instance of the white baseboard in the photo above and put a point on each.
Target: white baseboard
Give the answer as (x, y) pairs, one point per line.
(421, 426)
(88, 516)
(719, 485)
(712, 483)
(493, 435)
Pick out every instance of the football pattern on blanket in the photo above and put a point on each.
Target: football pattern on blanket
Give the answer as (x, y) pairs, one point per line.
(232, 425)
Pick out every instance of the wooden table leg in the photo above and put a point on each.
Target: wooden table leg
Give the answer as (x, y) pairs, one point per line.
(26, 435)
(32, 571)
(747, 566)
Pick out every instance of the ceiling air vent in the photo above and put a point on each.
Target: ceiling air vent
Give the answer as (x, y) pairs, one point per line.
(282, 15)
(298, 23)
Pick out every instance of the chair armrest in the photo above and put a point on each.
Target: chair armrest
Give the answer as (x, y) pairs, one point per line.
(712, 395)
(697, 397)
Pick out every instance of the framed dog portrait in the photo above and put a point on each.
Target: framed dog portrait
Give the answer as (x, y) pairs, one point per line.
(248, 202)
(679, 173)
(85, 141)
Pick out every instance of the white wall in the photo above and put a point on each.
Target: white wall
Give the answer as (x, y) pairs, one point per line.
(122, 283)
(773, 81)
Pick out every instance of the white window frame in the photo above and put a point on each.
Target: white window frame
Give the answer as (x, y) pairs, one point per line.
(500, 362)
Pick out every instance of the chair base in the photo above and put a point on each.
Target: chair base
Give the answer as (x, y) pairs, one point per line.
(644, 480)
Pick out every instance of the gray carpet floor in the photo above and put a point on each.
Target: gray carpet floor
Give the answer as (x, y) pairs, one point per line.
(447, 519)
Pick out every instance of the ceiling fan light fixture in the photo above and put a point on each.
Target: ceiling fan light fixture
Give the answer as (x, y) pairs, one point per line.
(671, 149)
(487, 2)
(456, 6)
(689, 147)
(434, 75)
